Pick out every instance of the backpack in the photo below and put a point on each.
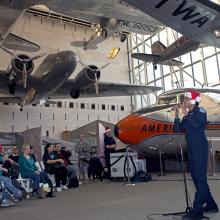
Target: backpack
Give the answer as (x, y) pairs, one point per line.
(141, 176)
(73, 183)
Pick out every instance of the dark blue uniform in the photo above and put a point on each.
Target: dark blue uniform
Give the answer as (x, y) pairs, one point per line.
(108, 141)
(193, 125)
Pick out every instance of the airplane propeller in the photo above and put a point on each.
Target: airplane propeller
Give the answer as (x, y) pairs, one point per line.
(95, 72)
(24, 63)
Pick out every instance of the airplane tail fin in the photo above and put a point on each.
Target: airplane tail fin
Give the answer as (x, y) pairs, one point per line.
(157, 48)
(145, 57)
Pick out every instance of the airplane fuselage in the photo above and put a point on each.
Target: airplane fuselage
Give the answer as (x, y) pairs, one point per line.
(178, 48)
(50, 75)
(149, 131)
(88, 10)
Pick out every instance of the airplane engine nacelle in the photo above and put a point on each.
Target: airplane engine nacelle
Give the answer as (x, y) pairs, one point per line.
(85, 78)
(17, 66)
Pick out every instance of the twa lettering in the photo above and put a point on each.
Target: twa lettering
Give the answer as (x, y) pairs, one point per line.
(187, 11)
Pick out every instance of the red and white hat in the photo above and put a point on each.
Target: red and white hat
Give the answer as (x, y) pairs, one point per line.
(195, 96)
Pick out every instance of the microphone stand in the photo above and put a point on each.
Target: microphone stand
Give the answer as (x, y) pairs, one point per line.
(127, 158)
(188, 208)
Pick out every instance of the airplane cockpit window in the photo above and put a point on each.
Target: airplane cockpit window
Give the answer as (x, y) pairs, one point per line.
(167, 100)
(181, 97)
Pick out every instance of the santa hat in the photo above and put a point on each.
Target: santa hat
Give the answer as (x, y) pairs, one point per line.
(195, 96)
(107, 129)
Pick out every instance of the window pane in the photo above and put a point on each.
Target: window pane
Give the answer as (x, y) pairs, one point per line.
(198, 73)
(188, 81)
(212, 70)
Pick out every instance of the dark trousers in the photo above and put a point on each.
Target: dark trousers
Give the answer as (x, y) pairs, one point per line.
(198, 160)
(39, 178)
(60, 175)
(108, 165)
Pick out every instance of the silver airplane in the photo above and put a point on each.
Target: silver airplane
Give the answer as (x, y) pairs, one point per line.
(198, 20)
(107, 17)
(51, 81)
(165, 55)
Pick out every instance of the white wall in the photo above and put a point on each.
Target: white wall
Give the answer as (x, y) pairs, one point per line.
(52, 37)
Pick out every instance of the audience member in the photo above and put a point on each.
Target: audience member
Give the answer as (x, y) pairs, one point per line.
(55, 165)
(82, 148)
(65, 154)
(7, 187)
(32, 153)
(29, 170)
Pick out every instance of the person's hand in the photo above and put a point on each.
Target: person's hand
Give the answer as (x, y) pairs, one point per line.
(176, 110)
(37, 172)
(61, 160)
(11, 161)
(183, 108)
(4, 170)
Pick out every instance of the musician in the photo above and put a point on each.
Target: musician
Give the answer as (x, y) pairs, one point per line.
(193, 125)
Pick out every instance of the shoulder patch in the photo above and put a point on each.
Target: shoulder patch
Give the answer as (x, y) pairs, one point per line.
(202, 110)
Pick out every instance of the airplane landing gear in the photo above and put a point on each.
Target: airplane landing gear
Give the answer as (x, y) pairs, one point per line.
(123, 38)
(104, 33)
(12, 87)
(75, 94)
(21, 108)
(155, 66)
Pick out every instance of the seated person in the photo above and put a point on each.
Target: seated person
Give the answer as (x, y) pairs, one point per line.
(29, 170)
(4, 157)
(14, 154)
(10, 163)
(65, 154)
(7, 186)
(32, 153)
(55, 165)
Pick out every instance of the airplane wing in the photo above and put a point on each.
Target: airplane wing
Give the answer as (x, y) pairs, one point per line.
(183, 90)
(3, 82)
(10, 99)
(17, 43)
(8, 16)
(172, 62)
(105, 90)
(154, 59)
(167, 143)
(196, 19)
(145, 57)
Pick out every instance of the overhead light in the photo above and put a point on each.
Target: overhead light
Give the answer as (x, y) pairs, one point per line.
(217, 33)
(98, 33)
(113, 53)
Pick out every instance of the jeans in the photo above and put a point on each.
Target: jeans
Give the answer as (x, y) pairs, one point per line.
(71, 172)
(9, 186)
(37, 179)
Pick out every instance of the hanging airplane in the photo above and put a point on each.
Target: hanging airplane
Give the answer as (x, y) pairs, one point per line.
(165, 55)
(106, 17)
(197, 20)
(51, 80)
(151, 129)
